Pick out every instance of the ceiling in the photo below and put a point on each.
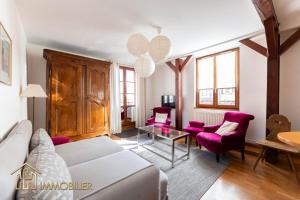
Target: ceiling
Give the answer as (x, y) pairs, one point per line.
(100, 28)
(288, 13)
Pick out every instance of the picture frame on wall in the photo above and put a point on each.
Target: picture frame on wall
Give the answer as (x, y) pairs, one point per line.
(5, 57)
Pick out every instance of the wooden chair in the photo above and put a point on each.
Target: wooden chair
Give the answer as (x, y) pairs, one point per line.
(276, 124)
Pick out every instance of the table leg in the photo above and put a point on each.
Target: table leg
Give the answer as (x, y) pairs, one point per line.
(138, 139)
(259, 157)
(153, 138)
(173, 152)
(293, 166)
(188, 145)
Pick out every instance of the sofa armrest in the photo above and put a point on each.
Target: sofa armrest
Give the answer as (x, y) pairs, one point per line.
(211, 129)
(196, 124)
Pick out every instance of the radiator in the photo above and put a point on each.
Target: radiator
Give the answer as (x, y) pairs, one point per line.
(209, 117)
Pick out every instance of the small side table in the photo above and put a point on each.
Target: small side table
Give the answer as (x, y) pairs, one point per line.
(291, 138)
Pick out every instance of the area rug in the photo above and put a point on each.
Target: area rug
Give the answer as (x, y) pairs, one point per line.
(190, 178)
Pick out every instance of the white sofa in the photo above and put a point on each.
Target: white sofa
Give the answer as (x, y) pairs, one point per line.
(114, 173)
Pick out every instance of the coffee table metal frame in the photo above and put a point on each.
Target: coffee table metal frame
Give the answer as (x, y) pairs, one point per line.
(173, 146)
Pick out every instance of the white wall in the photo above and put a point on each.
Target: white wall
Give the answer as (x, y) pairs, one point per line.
(289, 83)
(37, 75)
(253, 80)
(13, 108)
(162, 82)
(253, 90)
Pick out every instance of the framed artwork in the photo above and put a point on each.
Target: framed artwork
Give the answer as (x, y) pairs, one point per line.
(5, 57)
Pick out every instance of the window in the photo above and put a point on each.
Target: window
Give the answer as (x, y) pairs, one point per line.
(127, 92)
(217, 79)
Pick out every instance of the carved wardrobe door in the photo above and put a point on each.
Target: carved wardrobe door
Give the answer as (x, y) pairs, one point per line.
(78, 91)
(66, 99)
(97, 82)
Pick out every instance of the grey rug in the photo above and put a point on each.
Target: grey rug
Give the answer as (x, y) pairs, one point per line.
(190, 178)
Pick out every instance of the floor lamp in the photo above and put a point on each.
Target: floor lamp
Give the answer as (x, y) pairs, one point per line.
(33, 91)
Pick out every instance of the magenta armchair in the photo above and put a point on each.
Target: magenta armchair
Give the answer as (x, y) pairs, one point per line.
(194, 128)
(151, 120)
(230, 141)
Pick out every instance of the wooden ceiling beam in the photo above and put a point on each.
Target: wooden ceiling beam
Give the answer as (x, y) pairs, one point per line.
(172, 66)
(186, 62)
(256, 47)
(290, 41)
(180, 64)
(272, 37)
(265, 9)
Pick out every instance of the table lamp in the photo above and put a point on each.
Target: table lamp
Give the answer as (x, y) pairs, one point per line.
(33, 91)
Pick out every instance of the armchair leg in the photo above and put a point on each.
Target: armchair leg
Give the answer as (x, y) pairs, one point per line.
(243, 154)
(218, 157)
(200, 146)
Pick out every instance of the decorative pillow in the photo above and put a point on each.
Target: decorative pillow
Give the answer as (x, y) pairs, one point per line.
(161, 117)
(41, 137)
(51, 171)
(227, 127)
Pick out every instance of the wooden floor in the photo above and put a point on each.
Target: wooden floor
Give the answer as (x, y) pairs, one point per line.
(240, 182)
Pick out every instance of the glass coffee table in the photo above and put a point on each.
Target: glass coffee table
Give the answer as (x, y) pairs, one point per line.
(168, 134)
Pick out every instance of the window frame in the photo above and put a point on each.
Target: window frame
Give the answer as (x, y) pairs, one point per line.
(215, 89)
(125, 106)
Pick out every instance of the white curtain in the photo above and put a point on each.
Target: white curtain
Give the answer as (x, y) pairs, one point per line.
(140, 111)
(115, 107)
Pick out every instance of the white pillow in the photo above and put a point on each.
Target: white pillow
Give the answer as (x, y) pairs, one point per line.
(227, 127)
(161, 117)
(41, 136)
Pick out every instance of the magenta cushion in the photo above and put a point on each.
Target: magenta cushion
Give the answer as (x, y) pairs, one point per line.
(211, 141)
(57, 140)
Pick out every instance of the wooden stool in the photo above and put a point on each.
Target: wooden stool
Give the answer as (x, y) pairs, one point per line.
(287, 149)
(276, 124)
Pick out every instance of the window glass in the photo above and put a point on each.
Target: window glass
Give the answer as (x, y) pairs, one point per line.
(129, 87)
(129, 76)
(206, 73)
(130, 99)
(217, 80)
(225, 64)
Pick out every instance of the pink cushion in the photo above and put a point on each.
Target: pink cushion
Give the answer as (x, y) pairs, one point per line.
(57, 140)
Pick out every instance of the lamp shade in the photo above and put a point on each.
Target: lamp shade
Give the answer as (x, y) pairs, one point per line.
(33, 90)
(144, 66)
(137, 44)
(160, 48)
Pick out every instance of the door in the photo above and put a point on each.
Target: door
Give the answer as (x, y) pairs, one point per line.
(66, 99)
(97, 107)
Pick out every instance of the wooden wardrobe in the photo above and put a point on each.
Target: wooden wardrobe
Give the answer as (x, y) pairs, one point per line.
(78, 95)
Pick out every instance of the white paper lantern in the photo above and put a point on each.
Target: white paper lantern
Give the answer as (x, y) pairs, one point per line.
(160, 48)
(144, 66)
(137, 44)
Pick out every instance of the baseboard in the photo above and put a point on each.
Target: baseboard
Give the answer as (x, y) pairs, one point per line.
(251, 142)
